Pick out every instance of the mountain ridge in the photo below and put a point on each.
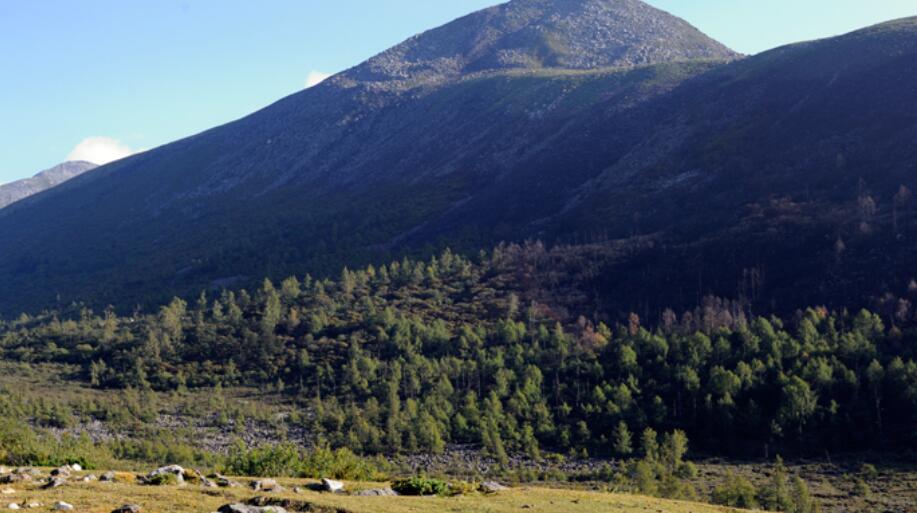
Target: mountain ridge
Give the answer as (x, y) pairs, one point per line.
(21, 189)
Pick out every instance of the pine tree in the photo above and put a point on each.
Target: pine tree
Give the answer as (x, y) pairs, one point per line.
(271, 313)
(674, 448)
(776, 495)
(622, 440)
(649, 442)
(802, 498)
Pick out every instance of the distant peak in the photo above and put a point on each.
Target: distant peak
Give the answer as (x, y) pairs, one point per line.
(537, 34)
(69, 167)
(15, 191)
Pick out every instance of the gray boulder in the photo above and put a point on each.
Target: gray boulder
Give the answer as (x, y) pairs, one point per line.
(15, 477)
(492, 487)
(245, 508)
(107, 477)
(266, 485)
(330, 485)
(224, 482)
(176, 470)
(376, 492)
(203, 479)
(54, 482)
(61, 471)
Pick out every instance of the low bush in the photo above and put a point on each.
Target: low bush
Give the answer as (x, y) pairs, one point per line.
(861, 489)
(163, 447)
(163, 479)
(868, 472)
(421, 486)
(686, 470)
(737, 492)
(287, 460)
(21, 445)
(463, 488)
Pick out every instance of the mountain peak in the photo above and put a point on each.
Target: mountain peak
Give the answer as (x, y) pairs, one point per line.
(539, 34)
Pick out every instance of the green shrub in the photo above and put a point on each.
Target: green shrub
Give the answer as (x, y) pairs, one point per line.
(21, 445)
(341, 464)
(861, 489)
(802, 498)
(525, 475)
(276, 460)
(462, 488)
(737, 492)
(160, 447)
(775, 496)
(673, 488)
(644, 478)
(868, 472)
(421, 486)
(287, 460)
(686, 470)
(166, 478)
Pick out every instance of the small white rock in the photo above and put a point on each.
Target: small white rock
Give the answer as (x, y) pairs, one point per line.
(63, 506)
(13, 506)
(330, 485)
(76, 467)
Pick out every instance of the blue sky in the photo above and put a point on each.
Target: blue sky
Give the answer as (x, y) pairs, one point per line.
(102, 78)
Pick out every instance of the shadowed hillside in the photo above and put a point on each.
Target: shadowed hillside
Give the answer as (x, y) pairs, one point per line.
(780, 179)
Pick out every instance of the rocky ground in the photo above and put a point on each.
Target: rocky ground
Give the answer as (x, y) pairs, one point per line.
(177, 490)
(838, 485)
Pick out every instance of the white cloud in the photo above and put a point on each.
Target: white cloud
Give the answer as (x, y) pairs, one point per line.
(315, 78)
(100, 150)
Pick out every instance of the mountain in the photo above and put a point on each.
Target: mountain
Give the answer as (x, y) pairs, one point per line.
(785, 178)
(15, 191)
(539, 34)
(322, 176)
(768, 178)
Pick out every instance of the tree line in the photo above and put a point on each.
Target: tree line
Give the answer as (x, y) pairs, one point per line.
(414, 355)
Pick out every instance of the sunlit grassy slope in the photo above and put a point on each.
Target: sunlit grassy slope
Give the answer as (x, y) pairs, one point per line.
(99, 497)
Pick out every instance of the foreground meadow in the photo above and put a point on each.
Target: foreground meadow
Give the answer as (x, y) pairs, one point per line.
(101, 497)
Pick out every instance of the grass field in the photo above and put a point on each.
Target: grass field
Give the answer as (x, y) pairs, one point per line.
(188, 421)
(98, 497)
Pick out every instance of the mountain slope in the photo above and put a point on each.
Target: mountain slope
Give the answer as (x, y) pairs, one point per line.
(15, 191)
(323, 175)
(796, 166)
(737, 177)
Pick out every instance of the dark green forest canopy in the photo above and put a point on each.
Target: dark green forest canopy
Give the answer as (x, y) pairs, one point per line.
(494, 350)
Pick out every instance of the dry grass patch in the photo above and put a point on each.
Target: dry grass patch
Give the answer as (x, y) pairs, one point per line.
(96, 497)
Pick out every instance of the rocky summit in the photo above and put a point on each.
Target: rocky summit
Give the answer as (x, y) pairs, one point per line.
(540, 34)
